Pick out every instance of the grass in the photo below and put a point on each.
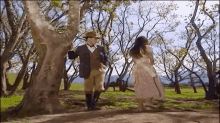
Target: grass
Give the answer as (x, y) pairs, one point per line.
(186, 93)
(121, 100)
(9, 102)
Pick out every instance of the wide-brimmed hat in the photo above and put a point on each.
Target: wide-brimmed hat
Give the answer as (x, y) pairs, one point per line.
(91, 34)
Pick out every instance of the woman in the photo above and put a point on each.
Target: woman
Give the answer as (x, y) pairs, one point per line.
(146, 82)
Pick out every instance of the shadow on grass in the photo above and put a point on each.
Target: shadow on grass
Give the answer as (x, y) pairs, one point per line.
(81, 116)
(70, 105)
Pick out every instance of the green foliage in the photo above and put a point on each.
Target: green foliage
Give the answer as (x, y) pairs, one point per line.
(107, 2)
(127, 2)
(169, 50)
(56, 3)
(182, 52)
(106, 9)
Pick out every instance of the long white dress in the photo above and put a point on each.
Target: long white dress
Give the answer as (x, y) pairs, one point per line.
(145, 85)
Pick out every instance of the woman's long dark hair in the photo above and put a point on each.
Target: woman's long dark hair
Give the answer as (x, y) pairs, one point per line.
(139, 46)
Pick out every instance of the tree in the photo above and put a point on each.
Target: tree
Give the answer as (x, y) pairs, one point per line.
(197, 73)
(212, 79)
(17, 30)
(51, 46)
(28, 77)
(150, 15)
(181, 55)
(25, 60)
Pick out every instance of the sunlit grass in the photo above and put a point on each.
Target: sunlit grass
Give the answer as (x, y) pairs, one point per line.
(118, 99)
(9, 102)
(191, 105)
(11, 79)
(79, 96)
(186, 93)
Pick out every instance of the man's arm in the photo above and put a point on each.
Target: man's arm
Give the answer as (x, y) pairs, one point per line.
(72, 54)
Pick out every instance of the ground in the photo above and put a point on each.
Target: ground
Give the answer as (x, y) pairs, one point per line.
(127, 116)
(118, 107)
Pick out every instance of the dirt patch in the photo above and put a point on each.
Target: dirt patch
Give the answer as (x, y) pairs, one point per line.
(128, 116)
(76, 113)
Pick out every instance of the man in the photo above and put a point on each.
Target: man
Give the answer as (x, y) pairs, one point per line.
(92, 67)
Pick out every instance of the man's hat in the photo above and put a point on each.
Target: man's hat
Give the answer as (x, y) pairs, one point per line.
(91, 34)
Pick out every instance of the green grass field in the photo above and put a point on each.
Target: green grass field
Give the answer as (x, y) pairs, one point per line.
(123, 100)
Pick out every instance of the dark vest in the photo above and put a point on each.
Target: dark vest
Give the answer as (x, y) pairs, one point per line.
(84, 55)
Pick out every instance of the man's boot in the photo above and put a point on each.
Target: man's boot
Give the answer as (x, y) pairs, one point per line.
(96, 96)
(95, 100)
(88, 101)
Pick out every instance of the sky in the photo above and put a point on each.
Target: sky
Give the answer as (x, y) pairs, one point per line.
(183, 11)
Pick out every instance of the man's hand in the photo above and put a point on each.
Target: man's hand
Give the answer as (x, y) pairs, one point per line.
(72, 47)
(102, 57)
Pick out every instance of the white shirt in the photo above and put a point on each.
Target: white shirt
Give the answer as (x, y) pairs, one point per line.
(92, 49)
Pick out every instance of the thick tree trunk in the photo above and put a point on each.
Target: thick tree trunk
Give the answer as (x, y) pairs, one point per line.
(177, 87)
(212, 79)
(46, 84)
(211, 94)
(42, 94)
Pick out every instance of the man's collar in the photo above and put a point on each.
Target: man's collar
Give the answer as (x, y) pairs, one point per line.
(95, 46)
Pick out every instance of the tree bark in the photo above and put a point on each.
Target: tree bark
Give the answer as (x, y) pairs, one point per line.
(212, 79)
(42, 94)
(177, 87)
(192, 83)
